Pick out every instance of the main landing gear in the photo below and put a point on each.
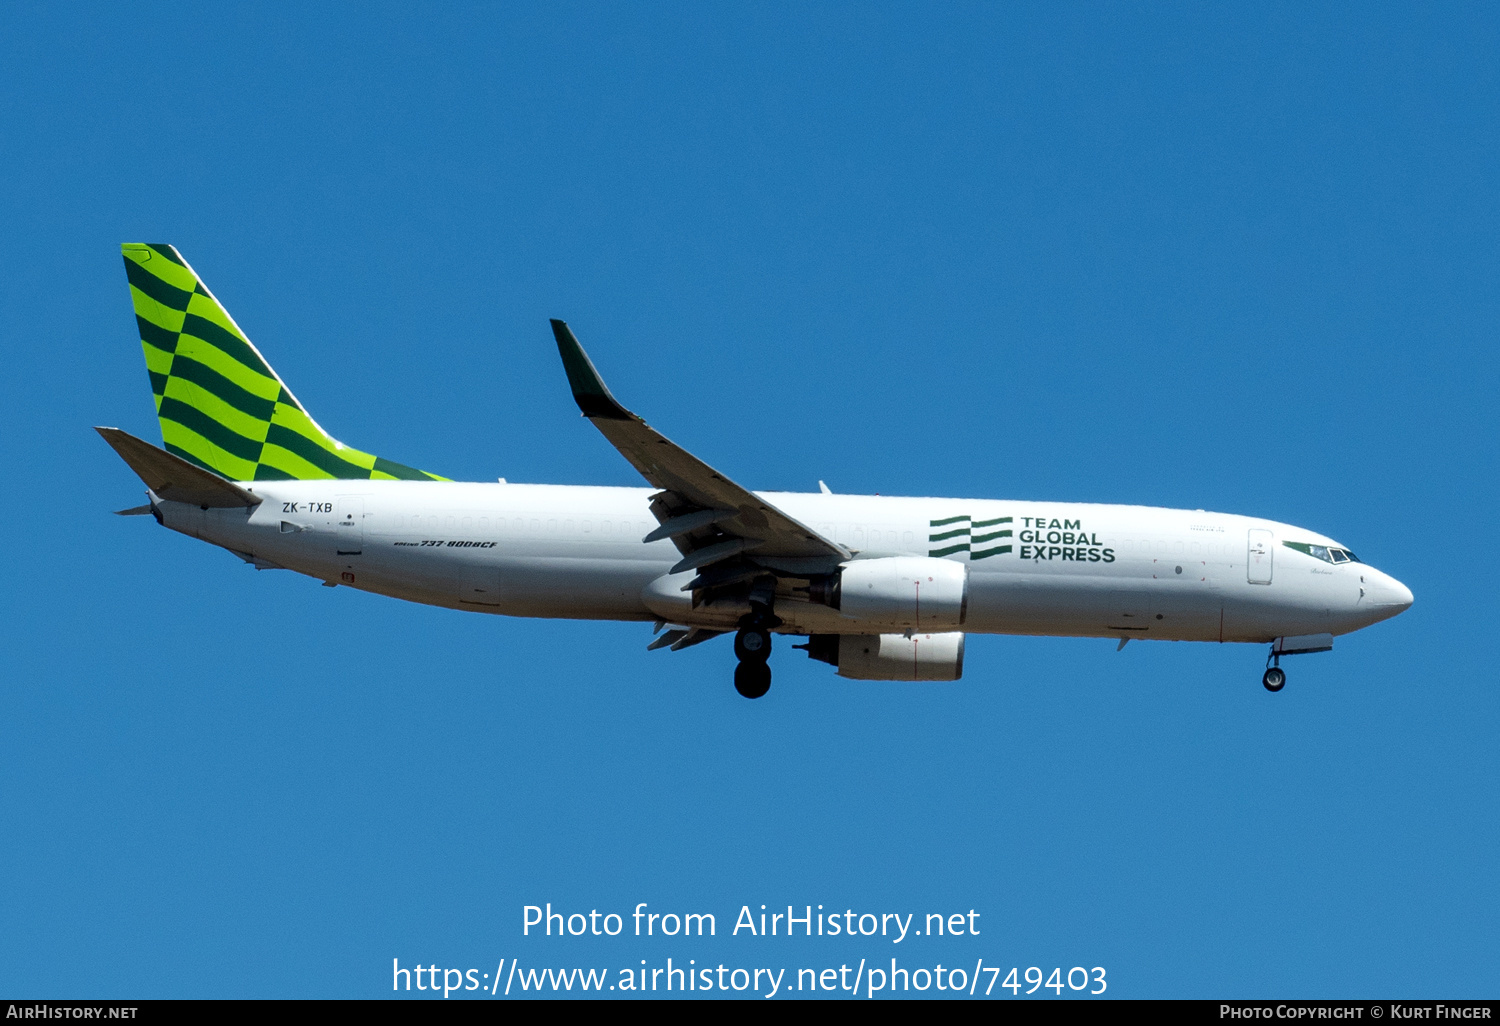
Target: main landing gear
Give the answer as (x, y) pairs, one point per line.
(752, 645)
(752, 677)
(1275, 678)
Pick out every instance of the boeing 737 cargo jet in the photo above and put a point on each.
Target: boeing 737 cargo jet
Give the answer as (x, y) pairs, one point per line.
(883, 588)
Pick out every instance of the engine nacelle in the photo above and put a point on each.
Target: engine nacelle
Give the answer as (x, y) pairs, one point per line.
(892, 656)
(918, 592)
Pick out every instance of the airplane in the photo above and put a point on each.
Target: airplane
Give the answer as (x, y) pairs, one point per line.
(880, 587)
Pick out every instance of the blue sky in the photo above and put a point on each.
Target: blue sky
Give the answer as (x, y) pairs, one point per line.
(1206, 256)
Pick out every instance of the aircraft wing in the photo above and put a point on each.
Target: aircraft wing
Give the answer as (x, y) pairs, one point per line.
(712, 520)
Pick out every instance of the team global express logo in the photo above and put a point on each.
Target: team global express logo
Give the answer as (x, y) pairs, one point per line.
(963, 534)
(1041, 538)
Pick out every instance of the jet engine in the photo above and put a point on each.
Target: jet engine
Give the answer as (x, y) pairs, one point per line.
(916, 592)
(891, 656)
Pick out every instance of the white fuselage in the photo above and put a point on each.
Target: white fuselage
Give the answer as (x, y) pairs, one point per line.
(1080, 569)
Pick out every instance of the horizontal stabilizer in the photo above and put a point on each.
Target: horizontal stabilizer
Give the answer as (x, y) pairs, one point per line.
(173, 478)
(134, 511)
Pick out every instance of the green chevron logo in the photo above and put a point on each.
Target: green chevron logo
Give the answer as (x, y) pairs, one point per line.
(963, 534)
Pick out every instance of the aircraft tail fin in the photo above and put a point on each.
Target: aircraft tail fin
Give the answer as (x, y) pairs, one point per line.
(221, 406)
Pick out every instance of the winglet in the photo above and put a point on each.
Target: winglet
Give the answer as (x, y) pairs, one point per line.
(174, 478)
(589, 392)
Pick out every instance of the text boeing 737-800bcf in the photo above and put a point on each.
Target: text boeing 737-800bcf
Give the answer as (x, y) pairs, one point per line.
(883, 588)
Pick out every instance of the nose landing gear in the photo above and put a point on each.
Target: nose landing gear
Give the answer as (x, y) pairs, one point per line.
(1275, 677)
(1298, 644)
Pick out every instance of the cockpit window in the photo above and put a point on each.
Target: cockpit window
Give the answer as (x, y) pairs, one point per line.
(1326, 553)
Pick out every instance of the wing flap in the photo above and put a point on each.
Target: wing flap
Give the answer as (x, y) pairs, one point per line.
(689, 522)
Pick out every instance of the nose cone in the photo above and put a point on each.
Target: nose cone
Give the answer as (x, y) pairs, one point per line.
(1400, 595)
(1386, 596)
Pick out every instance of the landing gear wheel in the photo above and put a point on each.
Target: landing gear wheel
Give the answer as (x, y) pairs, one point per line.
(752, 646)
(1275, 679)
(752, 679)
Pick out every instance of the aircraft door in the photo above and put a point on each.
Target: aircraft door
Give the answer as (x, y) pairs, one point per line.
(349, 525)
(1261, 555)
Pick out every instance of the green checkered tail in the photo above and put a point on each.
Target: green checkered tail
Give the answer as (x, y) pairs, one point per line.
(221, 405)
